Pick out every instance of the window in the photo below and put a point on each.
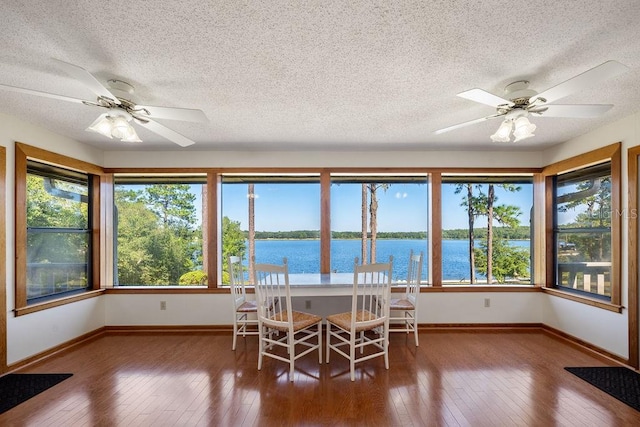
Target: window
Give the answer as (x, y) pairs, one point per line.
(582, 232)
(158, 230)
(58, 220)
(486, 229)
(582, 235)
(267, 217)
(374, 216)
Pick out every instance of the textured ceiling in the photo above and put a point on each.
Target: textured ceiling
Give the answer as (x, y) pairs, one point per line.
(330, 74)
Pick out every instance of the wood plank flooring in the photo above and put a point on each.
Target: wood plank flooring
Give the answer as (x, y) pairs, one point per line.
(455, 378)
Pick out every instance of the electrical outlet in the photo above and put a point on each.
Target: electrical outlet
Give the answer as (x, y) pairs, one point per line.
(487, 302)
(307, 304)
(163, 305)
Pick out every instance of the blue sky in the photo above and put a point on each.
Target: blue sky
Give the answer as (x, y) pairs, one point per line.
(402, 207)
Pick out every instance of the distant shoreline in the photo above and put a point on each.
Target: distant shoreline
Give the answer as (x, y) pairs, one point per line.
(369, 238)
(515, 233)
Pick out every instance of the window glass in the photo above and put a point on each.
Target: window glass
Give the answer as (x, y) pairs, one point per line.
(486, 229)
(583, 230)
(268, 217)
(373, 217)
(58, 232)
(158, 229)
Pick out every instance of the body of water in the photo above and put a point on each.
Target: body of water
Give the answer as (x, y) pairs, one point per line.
(304, 255)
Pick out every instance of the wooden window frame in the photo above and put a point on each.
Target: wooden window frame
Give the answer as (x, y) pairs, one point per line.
(214, 179)
(23, 153)
(610, 153)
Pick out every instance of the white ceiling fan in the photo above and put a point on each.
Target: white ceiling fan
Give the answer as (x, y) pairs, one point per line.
(519, 102)
(121, 110)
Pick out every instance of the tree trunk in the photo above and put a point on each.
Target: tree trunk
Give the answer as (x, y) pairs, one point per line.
(373, 212)
(252, 231)
(490, 200)
(471, 214)
(365, 198)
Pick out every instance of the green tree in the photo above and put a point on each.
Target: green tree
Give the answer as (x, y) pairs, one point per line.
(593, 198)
(135, 225)
(233, 244)
(484, 204)
(472, 205)
(55, 203)
(503, 214)
(372, 190)
(158, 240)
(174, 205)
(508, 261)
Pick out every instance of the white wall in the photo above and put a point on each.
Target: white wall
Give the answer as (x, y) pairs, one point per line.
(301, 159)
(49, 328)
(33, 333)
(181, 309)
(599, 327)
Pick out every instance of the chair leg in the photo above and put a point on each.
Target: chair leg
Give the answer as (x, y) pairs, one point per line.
(292, 354)
(235, 335)
(407, 322)
(352, 356)
(386, 347)
(260, 347)
(320, 343)
(328, 341)
(415, 330)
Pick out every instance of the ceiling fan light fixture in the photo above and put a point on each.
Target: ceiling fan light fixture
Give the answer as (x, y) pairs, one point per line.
(102, 125)
(115, 124)
(131, 135)
(502, 134)
(120, 127)
(523, 129)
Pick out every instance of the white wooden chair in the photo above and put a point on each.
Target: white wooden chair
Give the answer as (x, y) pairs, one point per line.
(404, 311)
(366, 326)
(300, 333)
(244, 310)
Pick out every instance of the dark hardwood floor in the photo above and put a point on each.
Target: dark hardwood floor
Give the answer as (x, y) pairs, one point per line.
(475, 378)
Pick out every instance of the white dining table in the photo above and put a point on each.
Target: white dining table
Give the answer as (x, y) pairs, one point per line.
(316, 284)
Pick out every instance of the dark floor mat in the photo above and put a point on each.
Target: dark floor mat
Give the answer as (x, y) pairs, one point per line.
(17, 388)
(619, 382)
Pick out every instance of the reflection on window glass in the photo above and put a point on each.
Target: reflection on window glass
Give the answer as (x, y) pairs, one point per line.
(159, 232)
(373, 217)
(486, 229)
(583, 230)
(58, 232)
(268, 218)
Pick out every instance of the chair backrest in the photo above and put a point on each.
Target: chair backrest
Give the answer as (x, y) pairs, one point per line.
(236, 277)
(273, 295)
(414, 276)
(371, 294)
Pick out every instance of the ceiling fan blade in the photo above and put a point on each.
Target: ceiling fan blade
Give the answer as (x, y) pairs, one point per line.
(45, 94)
(484, 97)
(87, 78)
(169, 113)
(582, 81)
(464, 124)
(578, 111)
(164, 131)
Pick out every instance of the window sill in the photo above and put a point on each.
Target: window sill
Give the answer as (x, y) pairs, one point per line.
(584, 300)
(480, 288)
(167, 290)
(57, 302)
